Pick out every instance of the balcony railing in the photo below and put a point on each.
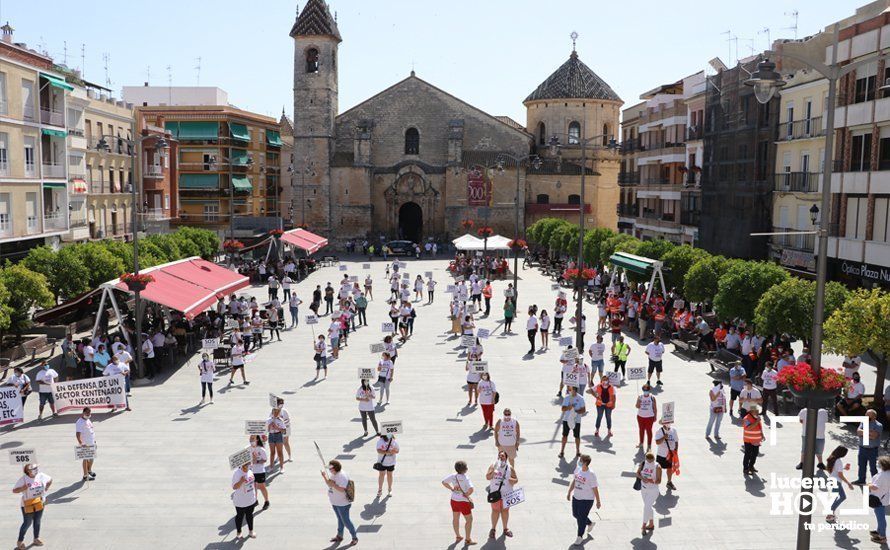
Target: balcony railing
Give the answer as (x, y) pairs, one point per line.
(690, 217)
(694, 133)
(76, 173)
(659, 181)
(78, 222)
(630, 145)
(53, 118)
(116, 146)
(628, 178)
(56, 170)
(4, 168)
(628, 210)
(534, 208)
(665, 217)
(802, 182)
(805, 243)
(153, 171)
(801, 129)
(55, 220)
(156, 214)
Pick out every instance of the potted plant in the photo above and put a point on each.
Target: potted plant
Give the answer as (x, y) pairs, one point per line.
(467, 224)
(136, 281)
(485, 232)
(517, 244)
(576, 275)
(232, 245)
(802, 381)
(277, 233)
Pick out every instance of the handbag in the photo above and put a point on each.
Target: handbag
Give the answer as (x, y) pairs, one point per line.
(494, 496)
(36, 505)
(379, 464)
(497, 397)
(718, 410)
(350, 490)
(874, 501)
(638, 483)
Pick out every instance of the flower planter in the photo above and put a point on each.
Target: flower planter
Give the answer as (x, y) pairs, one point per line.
(814, 394)
(135, 286)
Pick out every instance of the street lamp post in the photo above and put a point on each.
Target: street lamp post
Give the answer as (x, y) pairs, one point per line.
(134, 145)
(766, 81)
(554, 148)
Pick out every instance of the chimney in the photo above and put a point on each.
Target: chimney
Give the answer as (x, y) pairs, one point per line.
(7, 32)
(145, 84)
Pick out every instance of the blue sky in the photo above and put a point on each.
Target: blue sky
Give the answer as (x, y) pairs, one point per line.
(490, 53)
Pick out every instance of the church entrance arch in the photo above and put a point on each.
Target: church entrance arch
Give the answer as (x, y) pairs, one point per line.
(411, 222)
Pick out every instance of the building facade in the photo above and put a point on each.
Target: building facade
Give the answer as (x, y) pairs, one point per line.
(399, 165)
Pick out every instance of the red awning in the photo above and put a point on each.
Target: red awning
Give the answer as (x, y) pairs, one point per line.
(189, 285)
(300, 238)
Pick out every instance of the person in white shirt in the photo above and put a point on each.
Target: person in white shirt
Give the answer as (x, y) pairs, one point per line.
(89, 353)
(502, 478)
(33, 487)
(586, 490)
(338, 483)
(22, 382)
(649, 476)
(668, 444)
(837, 469)
(851, 404)
(770, 377)
(86, 437)
(385, 373)
(487, 391)
(237, 358)
(148, 357)
(46, 377)
(206, 370)
(285, 416)
(365, 397)
(655, 351)
(821, 421)
(716, 408)
(244, 498)
(749, 397)
(387, 449)
(507, 435)
(430, 290)
(114, 368)
(258, 459)
(531, 326)
(276, 427)
(285, 287)
(596, 352)
(461, 489)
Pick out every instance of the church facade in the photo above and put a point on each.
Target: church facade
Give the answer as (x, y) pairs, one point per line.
(413, 162)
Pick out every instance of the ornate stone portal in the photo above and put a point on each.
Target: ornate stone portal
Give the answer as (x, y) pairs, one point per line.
(411, 185)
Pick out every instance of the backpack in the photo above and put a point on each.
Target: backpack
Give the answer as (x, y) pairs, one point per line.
(350, 490)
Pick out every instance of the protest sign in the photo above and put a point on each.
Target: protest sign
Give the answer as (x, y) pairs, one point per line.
(570, 378)
(667, 411)
(11, 410)
(249, 357)
(450, 289)
(391, 427)
(614, 378)
(20, 457)
(238, 458)
(365, 373)
(459, 279)
(565, 341)
(562, 295)
(514, 497)
(471, 309)
(636, 373)
(366, 266)
(85, 452)
(105, 393)
(377, 348)
(571, 354)
(406, 276)
(353, 278)
(509, 293)
(402, 265)
(554, 287)
(467, 340)
(255, 427)
(273, 400)
(311, 319)
(387, 327)
(483, 333)
(209, 343)
(342, 268)
(479, 367)
(428, 274)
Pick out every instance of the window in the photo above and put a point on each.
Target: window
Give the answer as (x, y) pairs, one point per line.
(4, 108)
(30, 156)
(311, 60)
(865, 83)
(211, 212)
(5, 212)
(860, 158)
(111, 186)
(605, 135)
(412, 141)
(574, 133)
(857, 208)
(31, 211)
(28, 99)
(789, 116)
(4, 154)
(542, 134)
(884, 149)
(807, 115)
(543, 198)
(574, 199)
(880, 226)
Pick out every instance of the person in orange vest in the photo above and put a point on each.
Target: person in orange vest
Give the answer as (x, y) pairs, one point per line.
(659, 319)
(752, 436)
(486, 293)
(605, 402)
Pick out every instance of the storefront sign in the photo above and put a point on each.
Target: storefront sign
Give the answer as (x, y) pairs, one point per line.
(798, 259)
(869, 272)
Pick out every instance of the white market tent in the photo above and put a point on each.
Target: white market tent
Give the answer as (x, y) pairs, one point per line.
(498, 242)
(467, 242)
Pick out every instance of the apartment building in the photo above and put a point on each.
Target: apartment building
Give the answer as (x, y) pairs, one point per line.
(33, 162)
(690, 194)
(158, 176)
(629, 174)
(228, 166)
(78, 188)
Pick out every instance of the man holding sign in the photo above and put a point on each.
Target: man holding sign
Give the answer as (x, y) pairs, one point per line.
(573, 407)
(86, 437)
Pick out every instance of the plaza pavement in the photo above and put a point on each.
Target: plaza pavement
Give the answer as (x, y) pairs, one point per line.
(163, 478)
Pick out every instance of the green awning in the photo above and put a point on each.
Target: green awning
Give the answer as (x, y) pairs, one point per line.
(54, 184)
(54, 133)
(57, 82)
(632, 263)
(239, 157)
(242, 183)
(173, 128)
(199, 131)
(273, 138)
(199, 181)
(239, 131)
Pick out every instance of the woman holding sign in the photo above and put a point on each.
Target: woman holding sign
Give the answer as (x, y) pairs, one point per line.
(33, 487)
(276, 427)
(365, 397)
(473, 379)
(237, 356)
(244, 498)
(321, 359)
(502, 478)
(648, 481)
(487, 397)
(387, 449)
(206, 368)
(258, 459)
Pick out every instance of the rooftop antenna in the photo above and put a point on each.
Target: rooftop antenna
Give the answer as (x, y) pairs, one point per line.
(42, 47)
(574, 37)
(83, 59)
(106, 58)
(148, 74)
(728, 46)
(769, 43)
(169, 85)
(793, 15)
(736, 40)
(65, 52)
(750, 44)
(198, 70)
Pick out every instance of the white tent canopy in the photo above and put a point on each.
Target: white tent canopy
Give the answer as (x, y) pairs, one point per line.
(498, 242)
(467, 242)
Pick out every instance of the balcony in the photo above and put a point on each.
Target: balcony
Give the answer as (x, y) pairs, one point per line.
(51, 117)
(56, 221)
(76, 173)
(53, 170)
(801, 129)
(628, 210)
(799, 182)
(804, 243)
(557, 208)
(694, 133)
(116, 146)
(155, 214)
(153, 171)
(690, 217)
(4, 168)
(628, 178)
(630, 145)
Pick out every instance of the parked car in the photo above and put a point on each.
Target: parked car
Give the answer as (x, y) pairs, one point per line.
(401, 248)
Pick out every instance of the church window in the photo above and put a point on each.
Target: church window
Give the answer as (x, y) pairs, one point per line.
(412, 141)
(543, 198)
(605, 134)
(542, 134)
(311, 60)
(574, 199)
(574, 133)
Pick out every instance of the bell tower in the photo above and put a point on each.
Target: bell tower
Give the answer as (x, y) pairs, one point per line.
(316, 40)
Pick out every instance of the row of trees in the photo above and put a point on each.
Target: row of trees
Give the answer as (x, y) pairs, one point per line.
(46, 276)
(758, 292)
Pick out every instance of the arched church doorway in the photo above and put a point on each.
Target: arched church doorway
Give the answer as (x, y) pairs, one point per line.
(411, 222)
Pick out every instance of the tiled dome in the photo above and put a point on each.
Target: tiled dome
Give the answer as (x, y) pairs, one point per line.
(573, 80)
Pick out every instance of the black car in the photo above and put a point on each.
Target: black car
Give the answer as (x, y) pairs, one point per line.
(400, 248)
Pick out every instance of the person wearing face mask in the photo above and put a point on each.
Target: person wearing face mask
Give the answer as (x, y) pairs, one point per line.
(258, 459)
(276, 428)
(33, 487)
(365, 397)
(752, 437)
(770, 377)
(851, 404)
(206, 369)
(114, 368)
(22, 382)
(586, 492)
(573, 408)
(604, 393)
(502, 477)
(487, 392)
(45, 378)
(341, 501)
(646, 406)
(387, 449)
(86, 437)
(717, 406)
(244, 498)
(506, 436)
(649, 476)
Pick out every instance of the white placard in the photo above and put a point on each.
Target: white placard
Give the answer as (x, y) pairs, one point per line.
(311, 319)
(353, 278)
(366, 266)
(471, 309)
(450, 289)
(570, 378)
(554, 287)
(459, 279)
(479, 367)
(614, 378)
(391, 427)
(238, 458)
(387, 327)
(636, 373)
(402, 265)
(467, 340)
(85, 452)
(509, 293)
(342, 268)
(209, 343)
(428, 274)
(231, 323)
(565, 341)
(377, 348)
(20, 457)
(249, 357)
(483, 333)
(104, 393)
(667, 411)
(571, 354)
(11, 409)
(273, 400)
(562, 295)
(678, 304)
(514, 497)
(406, 276)
(366, 373)
(255, 427)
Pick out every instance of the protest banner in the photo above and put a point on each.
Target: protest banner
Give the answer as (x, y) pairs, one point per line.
(209, 343)
(11, 409)
(459, 279)
(353, 278)
(20, 457)
(105, 393)
(636, 373)
(571, 354)
(483, 333)
(366, 266)
(509, 293)
(311, 319)
(467, 340)
(85, 452)
(570, 378)
(366, 373)
(667, 411)
(565, 341)
(238, 458)
(514, 497)
(402, 265)
(479, 367)
(255, 427)
(391, 427)
(377, 348)
(406, 276)
(387, 327)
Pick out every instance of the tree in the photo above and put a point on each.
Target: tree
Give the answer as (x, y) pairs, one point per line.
(66, 275)
(593, 240)
(608, 247)
(569, 243)
(167, 245)
(739, 289)
(559, 235)
(548, 227)
(700, 283)
(27, 290)
(788, 307)
(5, 309)
(654, 249)
(187, 248)
(678, 261)
(630, 245)
(207, 240)
(101, 263)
